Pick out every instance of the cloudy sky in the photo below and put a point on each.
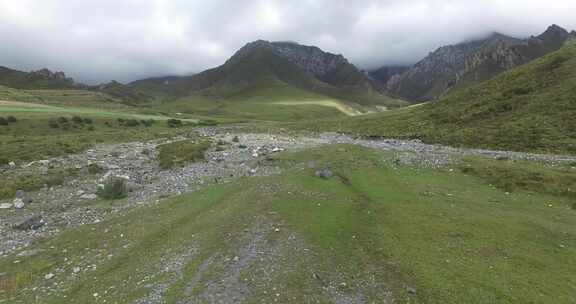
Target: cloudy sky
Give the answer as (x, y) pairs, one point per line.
(99, 40)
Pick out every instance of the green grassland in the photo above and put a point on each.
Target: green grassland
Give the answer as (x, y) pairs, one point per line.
(454, 236)
(527, 109)
(254, 105)
(38, 132)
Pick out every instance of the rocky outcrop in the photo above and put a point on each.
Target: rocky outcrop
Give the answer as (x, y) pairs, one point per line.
(46, 74)
(41, 79)
(465, 64)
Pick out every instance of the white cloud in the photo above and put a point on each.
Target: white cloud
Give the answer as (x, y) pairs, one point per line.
(99, 40)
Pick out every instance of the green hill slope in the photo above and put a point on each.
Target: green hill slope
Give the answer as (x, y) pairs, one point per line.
(529, 108)
(257, 70)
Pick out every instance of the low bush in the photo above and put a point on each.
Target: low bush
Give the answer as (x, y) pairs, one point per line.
(11, 119)
(77, 120)
(174, 123)
(3, 121)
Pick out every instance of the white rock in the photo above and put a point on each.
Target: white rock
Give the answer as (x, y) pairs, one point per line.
(5, 206)
(76, 269)
(49, 276)
(18, 203)
(12, 164)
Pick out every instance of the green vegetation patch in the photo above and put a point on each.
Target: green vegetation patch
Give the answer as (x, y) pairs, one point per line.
(10, 183)
(514, 176)
(181, 152)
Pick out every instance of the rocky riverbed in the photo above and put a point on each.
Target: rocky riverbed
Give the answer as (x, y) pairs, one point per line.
(50, 210)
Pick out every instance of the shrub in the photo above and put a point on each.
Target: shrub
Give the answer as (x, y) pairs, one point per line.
(114, 188)
(62, 120)
(53, 124)
(174, 123)
(11, 119)
(77, 120)
(3, 121)
(235, 139)
(87, 121)
(131, 123)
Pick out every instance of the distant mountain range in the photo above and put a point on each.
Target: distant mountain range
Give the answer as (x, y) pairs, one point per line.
(466, 64)
(263, 64)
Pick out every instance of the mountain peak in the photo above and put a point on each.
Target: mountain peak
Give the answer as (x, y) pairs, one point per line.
(554, 32)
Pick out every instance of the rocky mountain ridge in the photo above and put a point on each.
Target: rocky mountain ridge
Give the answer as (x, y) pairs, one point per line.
(465, 64)
(327, 67)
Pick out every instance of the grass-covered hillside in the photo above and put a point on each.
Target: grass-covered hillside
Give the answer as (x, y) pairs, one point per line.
(250, 87)
(529, 108)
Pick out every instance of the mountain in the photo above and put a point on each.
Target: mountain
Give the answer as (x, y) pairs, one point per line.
(382, 75)
(529, 108)
(469, 63)
(262, 64)
(41, 79)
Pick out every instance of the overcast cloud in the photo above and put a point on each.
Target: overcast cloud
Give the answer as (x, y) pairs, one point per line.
(99, 40)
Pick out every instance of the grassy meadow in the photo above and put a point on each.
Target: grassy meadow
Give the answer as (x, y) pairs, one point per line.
(452, 235)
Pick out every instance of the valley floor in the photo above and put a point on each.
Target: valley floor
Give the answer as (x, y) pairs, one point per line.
(295, 219)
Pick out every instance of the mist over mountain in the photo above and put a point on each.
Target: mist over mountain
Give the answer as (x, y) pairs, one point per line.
(465, 64)
(98, 41)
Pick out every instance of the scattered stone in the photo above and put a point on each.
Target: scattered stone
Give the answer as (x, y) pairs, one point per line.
(18, 203)
(89, 196)
(20, 194)
(5, 206)
(27, 253)
(33, 223)
(324, 173)
(411, 290)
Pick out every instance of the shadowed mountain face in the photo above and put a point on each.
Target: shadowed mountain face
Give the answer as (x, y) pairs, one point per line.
(466, 64)
(261, 63)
